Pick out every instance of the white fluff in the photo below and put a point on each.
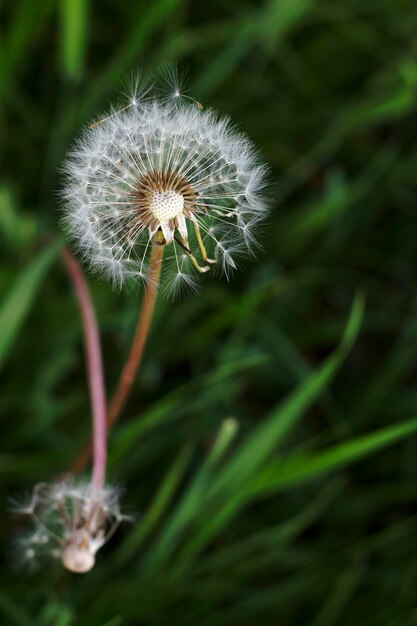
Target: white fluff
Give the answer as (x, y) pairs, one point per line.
(162, 135)
(71, 522)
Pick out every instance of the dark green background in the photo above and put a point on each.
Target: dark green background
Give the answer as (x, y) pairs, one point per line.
(307, 515)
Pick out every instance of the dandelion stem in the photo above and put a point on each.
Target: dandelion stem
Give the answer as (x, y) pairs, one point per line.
(134, 358)
(143, 326)
(94, 369)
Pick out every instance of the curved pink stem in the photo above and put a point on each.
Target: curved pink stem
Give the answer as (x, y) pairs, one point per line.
(94, 369)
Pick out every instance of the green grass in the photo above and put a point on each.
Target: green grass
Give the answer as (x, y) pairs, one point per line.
(268, 452)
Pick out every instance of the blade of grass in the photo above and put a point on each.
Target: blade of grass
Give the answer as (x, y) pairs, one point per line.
(308, 467)
(146, 23)
(27, 19)
(18, 302)
(266, 26)
(339, 196)
(14, 613)
(340, 596)
(73, 18)
(157, 507)
(167, 408)
(231, 484)
(271, 538)
(269, 435)
(152, 17)
(191, 501)
(57, 614)
(398, 364)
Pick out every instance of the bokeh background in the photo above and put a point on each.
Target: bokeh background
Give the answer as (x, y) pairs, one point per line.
(268, 449)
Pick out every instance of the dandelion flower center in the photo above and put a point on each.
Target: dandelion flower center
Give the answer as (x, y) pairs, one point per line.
(165, 205)
(163, 200)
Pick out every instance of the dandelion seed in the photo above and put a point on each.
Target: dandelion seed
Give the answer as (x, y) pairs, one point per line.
(163, 172)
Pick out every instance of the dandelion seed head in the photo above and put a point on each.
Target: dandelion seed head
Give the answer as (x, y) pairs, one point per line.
(71, 522)
(162, 168)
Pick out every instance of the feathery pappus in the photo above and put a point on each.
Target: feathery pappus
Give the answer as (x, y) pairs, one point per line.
(71, 522)
(163, 171)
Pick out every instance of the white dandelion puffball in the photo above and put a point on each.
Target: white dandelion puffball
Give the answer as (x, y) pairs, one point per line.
(71, 522)
(163, 172)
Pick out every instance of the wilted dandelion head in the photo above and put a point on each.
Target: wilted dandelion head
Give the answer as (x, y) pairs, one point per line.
(70, 522)
(163, 171)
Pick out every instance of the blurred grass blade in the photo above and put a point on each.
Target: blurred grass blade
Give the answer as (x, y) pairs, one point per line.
(150, 19)
(280, 534)
(19, 300)
(58, 614)
(191, 502)
(73, 14)
(230, 488)
(262, 443)
(157, 508)
(336, 199)
(9, 218)
(394, 368)
(308, 467)
(167, 409)
(14, 612)
(338, 602)
(267, 26)
(26, 21)
(280, 17)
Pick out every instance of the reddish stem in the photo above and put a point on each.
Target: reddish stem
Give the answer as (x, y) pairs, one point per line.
(134, 358)
(143, 326)
(94, 369)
